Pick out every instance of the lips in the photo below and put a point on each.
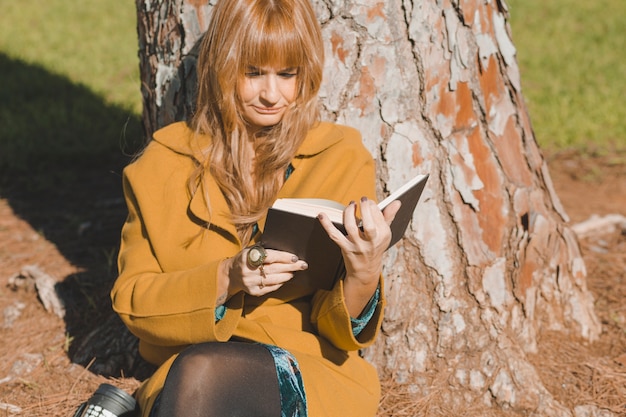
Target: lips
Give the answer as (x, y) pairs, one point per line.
(268, 110)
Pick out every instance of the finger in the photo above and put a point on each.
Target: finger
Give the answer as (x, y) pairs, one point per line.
(278, 273)
(280, 261)
(269, 283)
(278, 256)
(371, 216)
(391, 210)
(265, 289)
(277, 278)
(351, 222)
(335, 234)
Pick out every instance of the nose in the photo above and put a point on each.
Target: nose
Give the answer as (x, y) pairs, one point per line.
(269, 92)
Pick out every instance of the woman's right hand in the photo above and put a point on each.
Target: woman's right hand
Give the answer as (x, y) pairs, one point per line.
(237, 275)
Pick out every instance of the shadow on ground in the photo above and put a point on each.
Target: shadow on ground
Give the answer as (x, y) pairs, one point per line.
(62, 151)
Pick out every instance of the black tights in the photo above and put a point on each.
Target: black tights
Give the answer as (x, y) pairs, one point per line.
(221, 379)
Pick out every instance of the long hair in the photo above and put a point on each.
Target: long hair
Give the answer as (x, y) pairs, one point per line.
(278, 33)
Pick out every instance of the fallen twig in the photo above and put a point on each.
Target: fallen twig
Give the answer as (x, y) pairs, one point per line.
(45, 286)
(599, 225)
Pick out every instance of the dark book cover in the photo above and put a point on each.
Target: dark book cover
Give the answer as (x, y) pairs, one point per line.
(305, 237)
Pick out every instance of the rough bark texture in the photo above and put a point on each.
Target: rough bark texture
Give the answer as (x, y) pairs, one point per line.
(489, 261)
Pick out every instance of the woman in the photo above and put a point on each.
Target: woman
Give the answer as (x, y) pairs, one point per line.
(228, 323)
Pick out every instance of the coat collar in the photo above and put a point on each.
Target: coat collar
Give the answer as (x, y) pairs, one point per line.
(179, 138)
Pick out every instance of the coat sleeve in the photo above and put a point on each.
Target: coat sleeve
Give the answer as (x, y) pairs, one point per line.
(165, 308)
(329, 313)
(332, 320)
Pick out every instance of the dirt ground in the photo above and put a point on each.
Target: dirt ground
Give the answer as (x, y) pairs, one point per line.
(69, 230)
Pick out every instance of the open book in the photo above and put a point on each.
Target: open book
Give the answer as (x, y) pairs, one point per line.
(292, 226)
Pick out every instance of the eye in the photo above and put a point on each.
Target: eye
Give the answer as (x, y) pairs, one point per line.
(252, 72)
(288, 73)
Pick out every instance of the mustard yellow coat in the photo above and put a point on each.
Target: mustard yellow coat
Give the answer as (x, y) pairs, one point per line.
(166, 290)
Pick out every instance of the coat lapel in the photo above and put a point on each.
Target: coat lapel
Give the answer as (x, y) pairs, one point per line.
(219, 216)
(180, 139)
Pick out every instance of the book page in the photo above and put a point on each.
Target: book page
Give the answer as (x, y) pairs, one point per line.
(311, 207)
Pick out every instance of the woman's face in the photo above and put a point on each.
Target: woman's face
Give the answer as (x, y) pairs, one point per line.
(266, 93)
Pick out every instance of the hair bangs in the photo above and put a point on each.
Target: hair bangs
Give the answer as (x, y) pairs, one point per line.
(275, 41)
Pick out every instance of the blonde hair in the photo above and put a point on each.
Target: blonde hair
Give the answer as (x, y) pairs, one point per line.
(279, 33)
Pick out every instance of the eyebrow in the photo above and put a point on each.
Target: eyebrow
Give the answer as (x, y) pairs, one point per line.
(264, 69)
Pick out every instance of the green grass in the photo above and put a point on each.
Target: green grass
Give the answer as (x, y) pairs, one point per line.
(47, 118)
(69, 85)
(91, 42)
(70, 80)
(572, 57)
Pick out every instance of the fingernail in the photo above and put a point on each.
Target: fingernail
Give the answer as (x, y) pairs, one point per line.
(305, 266)
(352, 202)
(294, 259)
(320, 216)
(363, 199)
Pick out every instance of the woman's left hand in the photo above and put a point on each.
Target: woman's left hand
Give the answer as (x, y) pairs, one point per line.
(362, 248)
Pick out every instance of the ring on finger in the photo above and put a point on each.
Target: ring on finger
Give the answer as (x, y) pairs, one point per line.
(262, 271)
(256, 256)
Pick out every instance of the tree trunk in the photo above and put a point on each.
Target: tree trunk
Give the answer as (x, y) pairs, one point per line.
(489, 261)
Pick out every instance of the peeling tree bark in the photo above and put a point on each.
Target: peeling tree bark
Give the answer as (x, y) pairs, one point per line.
(489, 261)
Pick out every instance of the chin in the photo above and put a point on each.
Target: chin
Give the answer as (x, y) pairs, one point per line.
(266, 123)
